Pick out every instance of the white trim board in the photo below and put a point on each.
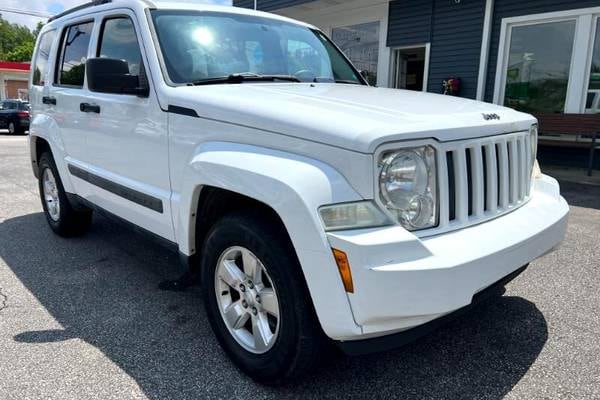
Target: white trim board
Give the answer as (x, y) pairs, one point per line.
(488, 22)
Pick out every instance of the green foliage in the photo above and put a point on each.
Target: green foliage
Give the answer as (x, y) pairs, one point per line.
(17, 41)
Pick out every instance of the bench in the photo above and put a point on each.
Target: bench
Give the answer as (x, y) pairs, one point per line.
(583, 128)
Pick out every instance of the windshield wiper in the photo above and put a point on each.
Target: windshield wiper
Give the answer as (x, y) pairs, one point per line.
(347, 81)
(246, 77)
(324, 79)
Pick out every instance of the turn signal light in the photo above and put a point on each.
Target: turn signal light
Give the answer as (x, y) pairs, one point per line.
(341, 259)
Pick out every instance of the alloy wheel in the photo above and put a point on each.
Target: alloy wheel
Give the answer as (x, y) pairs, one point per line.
(247, 300)
(51, 198)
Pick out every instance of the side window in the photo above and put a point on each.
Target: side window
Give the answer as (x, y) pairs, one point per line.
(74, 48)
(10, 105)
(118, 40)
(40, 64)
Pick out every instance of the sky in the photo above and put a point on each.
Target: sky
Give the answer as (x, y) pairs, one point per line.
(52, 7)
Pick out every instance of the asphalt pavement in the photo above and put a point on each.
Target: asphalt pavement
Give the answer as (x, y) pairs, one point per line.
(84, 319)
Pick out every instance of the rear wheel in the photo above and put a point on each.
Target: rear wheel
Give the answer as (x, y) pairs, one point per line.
(62, 217)
(257, 301)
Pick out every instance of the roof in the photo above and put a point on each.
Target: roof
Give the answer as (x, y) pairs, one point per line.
(14, 66)
(199, 5)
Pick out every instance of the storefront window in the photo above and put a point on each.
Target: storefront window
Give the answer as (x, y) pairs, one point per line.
(537, 73)
(592, 105)
(360, 43)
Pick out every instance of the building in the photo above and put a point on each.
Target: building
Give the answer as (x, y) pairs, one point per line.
(13, 80)
(538, 56)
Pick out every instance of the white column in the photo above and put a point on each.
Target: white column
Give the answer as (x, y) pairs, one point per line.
(2, 87)
(485, 49)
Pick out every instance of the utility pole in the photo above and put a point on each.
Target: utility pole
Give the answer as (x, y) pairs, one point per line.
(255, 4)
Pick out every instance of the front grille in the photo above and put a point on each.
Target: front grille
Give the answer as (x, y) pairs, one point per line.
(483, 178)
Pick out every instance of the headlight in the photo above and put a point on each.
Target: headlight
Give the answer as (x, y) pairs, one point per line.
(407, 186)
(362, 214)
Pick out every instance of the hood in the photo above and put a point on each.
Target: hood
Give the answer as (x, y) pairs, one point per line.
(353, 117)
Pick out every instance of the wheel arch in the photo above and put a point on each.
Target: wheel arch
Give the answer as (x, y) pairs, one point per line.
(223, 177)
(37, 147)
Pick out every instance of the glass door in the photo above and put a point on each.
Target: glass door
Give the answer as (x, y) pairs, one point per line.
(410, 68)
(360, 43)
(538, 67)
(592, 104)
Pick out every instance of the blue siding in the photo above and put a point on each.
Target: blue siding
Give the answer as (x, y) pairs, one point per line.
(514, 8)
(269, 5)
(456, 44)
(454, 31)
(409, 22)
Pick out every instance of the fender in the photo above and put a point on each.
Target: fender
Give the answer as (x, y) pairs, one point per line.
(45, 128)
(295, 187)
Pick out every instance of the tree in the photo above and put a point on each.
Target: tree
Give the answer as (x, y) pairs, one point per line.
(17, 41)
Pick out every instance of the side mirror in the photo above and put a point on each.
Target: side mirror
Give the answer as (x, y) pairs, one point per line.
(110, 75)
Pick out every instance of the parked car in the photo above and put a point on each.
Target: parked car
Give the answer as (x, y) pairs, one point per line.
(14, 115)
(315, 208)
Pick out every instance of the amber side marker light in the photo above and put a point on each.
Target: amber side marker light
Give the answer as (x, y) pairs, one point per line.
(341, 259)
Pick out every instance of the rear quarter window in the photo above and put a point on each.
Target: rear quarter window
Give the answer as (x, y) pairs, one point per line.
(40, 64)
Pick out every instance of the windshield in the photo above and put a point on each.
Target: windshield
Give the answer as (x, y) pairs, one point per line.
(200, 46)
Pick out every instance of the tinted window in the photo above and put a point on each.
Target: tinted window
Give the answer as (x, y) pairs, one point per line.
(9, 105)
(537, 75)
(119, 41)
(40, 64)
(73, 55)
(204, 45)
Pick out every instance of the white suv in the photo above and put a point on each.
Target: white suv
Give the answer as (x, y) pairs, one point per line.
(315, 208)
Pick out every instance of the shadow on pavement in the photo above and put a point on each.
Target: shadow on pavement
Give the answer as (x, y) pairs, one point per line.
(581, 195)
(103, 288)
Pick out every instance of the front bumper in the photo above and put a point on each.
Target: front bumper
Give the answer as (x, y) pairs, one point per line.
(404, 282)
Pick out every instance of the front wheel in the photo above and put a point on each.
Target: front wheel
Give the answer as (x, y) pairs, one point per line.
(256, 299)
(60, 214)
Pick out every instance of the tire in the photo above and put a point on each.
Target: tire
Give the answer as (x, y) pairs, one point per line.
(298, 338)
(61, 216)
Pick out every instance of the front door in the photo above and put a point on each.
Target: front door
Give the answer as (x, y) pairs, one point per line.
(127, 138)
(410, 66)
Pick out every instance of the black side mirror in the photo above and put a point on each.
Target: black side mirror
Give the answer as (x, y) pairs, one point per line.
(110, 75)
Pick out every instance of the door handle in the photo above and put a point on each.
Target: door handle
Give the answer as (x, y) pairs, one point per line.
(49, 100)
(87, 107)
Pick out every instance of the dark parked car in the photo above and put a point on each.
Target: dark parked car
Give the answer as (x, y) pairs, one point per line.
(14, 116)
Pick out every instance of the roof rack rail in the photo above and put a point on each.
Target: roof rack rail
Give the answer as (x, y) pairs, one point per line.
(80, 7)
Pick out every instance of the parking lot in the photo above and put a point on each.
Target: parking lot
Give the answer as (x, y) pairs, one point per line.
(84, 318)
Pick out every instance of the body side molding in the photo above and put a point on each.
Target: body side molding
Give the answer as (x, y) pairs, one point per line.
(132, 195)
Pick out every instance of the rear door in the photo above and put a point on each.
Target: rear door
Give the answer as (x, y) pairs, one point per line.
(127, 135)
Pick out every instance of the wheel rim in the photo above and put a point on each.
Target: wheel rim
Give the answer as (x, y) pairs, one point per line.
(247, 300)
(11, 128)
(51, 198)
